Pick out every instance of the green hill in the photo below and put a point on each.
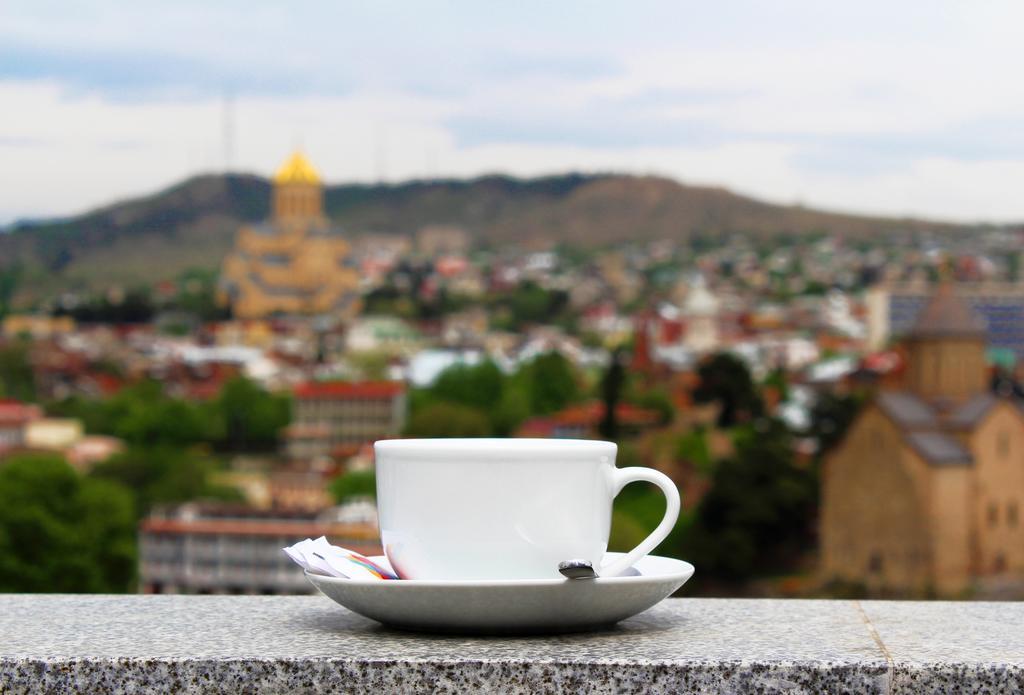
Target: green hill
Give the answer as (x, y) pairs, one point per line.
(192, 224)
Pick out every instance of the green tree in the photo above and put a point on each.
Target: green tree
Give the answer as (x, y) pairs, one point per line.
(448, 420)
(10, 277)
(726, 380)
(16, 377)
(611, 392)
(62, 532)
(143, 415)
(831, 416)
(529, 303)
(162, 475)
(693, 448)
(545, 384)
(93, 414)
(552, 382)
(777, 379)
(197, 295)
(243, 417)
(162, 422)
(370, 364)
(655, 399)
(758, 515)
(252, 418)
(136, 306)
(504, 401)
(1013, 266)
(354, 485)
(476, 386)
(512, 410)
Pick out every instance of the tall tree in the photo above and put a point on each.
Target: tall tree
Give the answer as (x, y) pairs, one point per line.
(354, 485)
(476, 386)
(758, 515)
(831, 416)
(161, 475)
(726, 380)
(10, 275)
(16, 377)
(448, 420)
(611, 391)
(62, 532)
(552, 382)
(251, 416)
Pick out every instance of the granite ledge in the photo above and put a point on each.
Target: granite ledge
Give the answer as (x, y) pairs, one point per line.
(122, 644)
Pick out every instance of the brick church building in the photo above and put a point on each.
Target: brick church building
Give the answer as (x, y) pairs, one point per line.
(926, 490)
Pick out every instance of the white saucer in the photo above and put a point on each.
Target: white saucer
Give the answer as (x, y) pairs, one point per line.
(508, 606)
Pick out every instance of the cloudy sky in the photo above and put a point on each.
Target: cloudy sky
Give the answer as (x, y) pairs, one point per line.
(913, 108)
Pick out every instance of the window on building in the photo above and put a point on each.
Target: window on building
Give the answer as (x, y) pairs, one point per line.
(875, 562)
(1011, 513)
(993, 514)
(1000, 564)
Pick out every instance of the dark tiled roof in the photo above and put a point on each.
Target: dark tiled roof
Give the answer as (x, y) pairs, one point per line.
(938, 449)
(970, 413)
(907, 410)
(947, 316)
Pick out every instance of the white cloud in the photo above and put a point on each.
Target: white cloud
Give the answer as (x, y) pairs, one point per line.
(876, 107)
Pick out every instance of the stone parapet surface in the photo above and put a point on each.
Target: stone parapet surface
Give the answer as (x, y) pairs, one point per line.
(306, 644)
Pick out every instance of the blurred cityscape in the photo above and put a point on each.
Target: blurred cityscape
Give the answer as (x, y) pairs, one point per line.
(842, 413)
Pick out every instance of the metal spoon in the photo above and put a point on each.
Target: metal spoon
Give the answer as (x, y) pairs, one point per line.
(577, 569)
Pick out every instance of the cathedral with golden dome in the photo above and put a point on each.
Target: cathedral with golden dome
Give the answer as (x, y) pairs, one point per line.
(293, 263)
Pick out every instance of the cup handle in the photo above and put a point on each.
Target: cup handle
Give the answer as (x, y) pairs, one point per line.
(625, 476)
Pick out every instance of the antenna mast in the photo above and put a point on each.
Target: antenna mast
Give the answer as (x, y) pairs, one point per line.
(228, 126)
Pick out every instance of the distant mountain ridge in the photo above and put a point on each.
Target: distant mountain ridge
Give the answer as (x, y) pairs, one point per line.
(192, 224)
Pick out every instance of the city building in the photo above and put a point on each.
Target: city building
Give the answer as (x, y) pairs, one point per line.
(329, 414)
(204, 549)
(53, 434)
(700, 313)
(434, 240)
(893, 307)
(254, 333)
(387, 334)
(300, 489)
(926, 490)
(250, 479)
(604, 320)
(92, 449)
(15, 417)
(36, 326)
(466, 327)
(294, 263)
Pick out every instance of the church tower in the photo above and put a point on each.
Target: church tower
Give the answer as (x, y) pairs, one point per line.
(295, 262)
(298, 192)
(946, 350)
(700, 311)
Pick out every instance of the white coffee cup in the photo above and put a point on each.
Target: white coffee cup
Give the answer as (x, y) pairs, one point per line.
(470, 509)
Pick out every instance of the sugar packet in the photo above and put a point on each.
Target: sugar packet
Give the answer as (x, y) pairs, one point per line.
(320, 557)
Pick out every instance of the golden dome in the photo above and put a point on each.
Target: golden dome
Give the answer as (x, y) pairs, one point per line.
(297, 170)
